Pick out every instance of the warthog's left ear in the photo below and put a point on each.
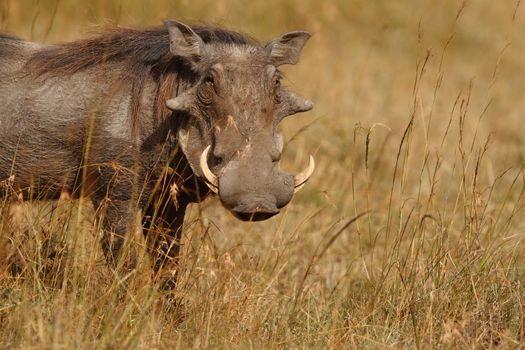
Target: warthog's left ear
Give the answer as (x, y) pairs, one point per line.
(287, 48)
(184, 42)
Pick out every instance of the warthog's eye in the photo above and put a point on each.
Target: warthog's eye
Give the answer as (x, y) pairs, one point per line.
(205, 94)
(277, 86)
(209, 79)
(277, 81)
(277, 94)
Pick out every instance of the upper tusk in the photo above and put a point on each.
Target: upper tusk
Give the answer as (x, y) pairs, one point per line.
(211, 179)
(302, 177)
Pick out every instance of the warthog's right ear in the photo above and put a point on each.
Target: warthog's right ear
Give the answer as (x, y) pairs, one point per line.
(184, 42)
(287, 48)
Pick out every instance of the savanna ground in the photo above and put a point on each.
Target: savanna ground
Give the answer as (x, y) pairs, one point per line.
(417, 128)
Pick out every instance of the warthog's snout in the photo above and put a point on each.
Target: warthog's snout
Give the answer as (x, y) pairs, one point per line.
(254, 189)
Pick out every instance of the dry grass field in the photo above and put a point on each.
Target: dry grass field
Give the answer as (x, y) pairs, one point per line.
(417, 133)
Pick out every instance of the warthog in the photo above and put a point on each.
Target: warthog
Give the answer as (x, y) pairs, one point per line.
(149, 120)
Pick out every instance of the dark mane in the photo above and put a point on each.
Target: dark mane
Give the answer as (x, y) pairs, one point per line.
(8, 44)
(141, 53)
(133, 47)
(9, 37)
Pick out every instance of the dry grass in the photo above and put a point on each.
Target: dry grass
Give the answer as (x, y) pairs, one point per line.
(417, 126)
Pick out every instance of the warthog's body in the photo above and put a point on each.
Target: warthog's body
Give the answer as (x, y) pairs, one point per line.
(90, 117)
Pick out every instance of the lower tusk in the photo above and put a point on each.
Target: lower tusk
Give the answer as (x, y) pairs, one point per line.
(210, 178)
(302, 177)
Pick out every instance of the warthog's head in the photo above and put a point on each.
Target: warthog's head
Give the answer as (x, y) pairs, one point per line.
(233, 110)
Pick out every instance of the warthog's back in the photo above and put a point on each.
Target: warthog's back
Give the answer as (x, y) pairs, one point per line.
(42, 122)
(13, 53)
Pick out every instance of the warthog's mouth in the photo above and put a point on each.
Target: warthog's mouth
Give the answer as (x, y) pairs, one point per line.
(255, 216)
(257, 212)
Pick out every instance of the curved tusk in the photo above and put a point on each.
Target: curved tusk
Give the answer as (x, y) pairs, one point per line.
(211, 180)
(302, 177)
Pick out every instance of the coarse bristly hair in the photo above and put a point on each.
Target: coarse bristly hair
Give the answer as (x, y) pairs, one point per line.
(133, 47)
(141, 52)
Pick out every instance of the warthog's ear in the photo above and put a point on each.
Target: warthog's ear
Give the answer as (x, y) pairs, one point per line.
(182, 103)
(184, 42)
(287, 48)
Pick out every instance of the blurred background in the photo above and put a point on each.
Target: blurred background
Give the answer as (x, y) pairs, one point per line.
(418, 123)
(360, 67)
